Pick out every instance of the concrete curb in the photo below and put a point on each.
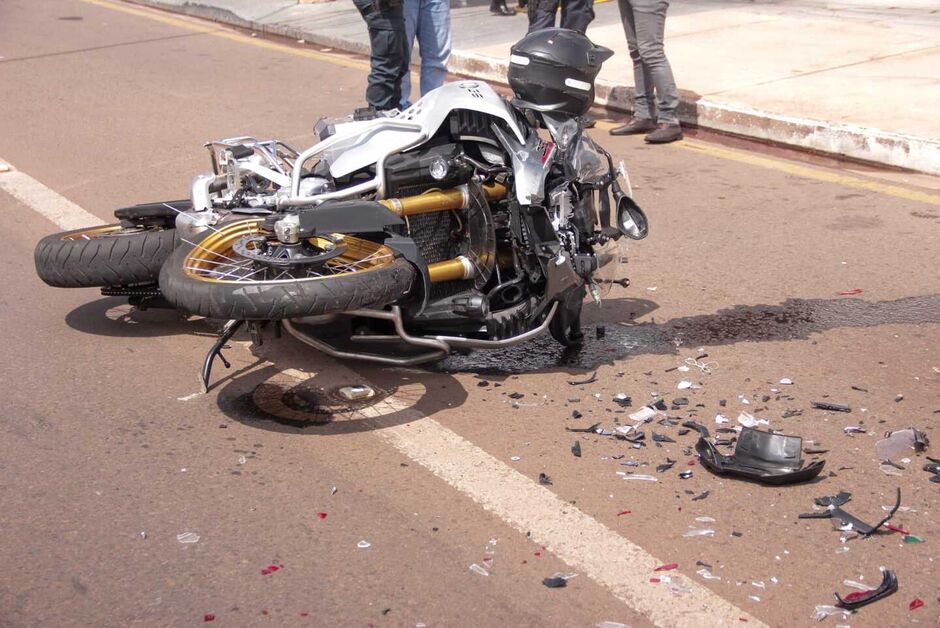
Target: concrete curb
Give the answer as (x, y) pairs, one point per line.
(856, 142)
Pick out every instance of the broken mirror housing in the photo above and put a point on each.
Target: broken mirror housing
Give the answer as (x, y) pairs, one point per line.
(761, 456)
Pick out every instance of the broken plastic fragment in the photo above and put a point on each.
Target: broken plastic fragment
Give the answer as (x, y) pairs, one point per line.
(847, 521)
(622, 400)
(363, 544)
(187, 537)
(858, 599)
(544, 479)
(889, 469)
(704, 495)
(832, 407)
(660, 438)
(693, 532)
(747, 420)
(643, 414)
(915, 604)
(475, 568)
(823, 611)
(685, 475)
(610, 624)
(853, 429)
(763, 456)
(590, 380)
(910, 538)
(554, 582)
(686, 385)
(786, 381)
(356, 392)
(720, 419)
(576, 449)
(667, 567)
(705, 573)
(900, 442)
(666, 465)
(639, 476)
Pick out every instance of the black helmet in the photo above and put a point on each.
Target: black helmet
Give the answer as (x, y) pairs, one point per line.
(553, 70)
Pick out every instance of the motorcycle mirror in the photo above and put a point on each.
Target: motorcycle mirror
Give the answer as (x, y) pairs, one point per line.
(631, 220)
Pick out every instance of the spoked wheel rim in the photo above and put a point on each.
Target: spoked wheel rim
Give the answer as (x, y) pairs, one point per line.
(106, 231)
(215, 259)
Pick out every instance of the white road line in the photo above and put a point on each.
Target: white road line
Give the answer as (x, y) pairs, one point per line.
(578, 539)
(41, 199)
(584, 543)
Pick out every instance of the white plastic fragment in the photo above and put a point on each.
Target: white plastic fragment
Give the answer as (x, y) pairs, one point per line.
(356, 392)
(610, 624)
(363, 544)
(861, 586)
(624, 429)
(720, 419)
(643, 414)
(242, 460)
(786, 381)
(187, 537)
(686, 384)
(705, 573)
(754, 598)
(705, 519)
(759, 584)
(699, 532)
(475, 568)
(748, 420)
(640, 476)
(515, 458)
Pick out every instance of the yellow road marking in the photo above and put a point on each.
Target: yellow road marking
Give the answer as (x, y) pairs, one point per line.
(789, 167)
(690, 145)
(152, 14)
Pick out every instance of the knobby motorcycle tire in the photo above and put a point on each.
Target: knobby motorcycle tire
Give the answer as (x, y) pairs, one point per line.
(275, 300)
(66, 260)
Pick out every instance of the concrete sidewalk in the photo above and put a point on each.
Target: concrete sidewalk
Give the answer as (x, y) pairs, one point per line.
(849, 77)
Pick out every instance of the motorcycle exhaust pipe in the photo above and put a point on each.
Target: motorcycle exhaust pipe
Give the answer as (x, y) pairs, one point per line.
(440, 200)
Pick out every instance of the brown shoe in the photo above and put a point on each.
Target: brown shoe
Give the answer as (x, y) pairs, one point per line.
(634, 127)
(664, 133)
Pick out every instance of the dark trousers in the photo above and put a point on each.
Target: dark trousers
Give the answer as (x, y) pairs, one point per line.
(575, 14)
(389, 54)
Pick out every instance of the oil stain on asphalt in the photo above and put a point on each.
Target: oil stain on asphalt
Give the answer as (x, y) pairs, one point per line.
(794, 319)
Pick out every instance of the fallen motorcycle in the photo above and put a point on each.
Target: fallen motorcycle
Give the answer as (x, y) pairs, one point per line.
(451, 225)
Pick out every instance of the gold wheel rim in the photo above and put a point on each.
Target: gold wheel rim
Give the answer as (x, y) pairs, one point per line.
(215, 260)
(96, 232)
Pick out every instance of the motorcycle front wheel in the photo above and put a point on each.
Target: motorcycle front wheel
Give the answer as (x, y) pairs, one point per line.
(109, 255)
(238, 271)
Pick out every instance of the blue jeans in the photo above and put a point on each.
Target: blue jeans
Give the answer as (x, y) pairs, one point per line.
(429, 22)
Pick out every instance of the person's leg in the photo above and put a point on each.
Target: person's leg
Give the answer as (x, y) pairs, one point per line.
(411, 10)
(577, 14)
(434, 43)
(542, 14)
(650, 31)
(388, 61)
(643, 100)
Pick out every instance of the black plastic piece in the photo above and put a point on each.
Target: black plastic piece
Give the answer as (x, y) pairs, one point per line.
(761, 456)
(148, 211)
(347, 217)
(832, 407)
(889, 585)
(834, 511)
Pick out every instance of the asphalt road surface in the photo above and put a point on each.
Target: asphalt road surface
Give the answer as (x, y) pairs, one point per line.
(108, 453)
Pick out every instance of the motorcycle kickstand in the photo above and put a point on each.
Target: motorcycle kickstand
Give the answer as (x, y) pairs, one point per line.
(225, 334)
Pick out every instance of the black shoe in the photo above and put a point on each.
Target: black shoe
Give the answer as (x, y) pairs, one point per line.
(665, 133)
(634, 127)
(522, 3)
(498, 7)
(588, 122)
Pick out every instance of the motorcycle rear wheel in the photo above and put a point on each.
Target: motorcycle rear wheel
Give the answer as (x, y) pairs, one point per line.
(211, 278)
(109, 255)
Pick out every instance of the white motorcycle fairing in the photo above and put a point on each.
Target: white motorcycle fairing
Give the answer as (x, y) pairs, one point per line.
(355, 147)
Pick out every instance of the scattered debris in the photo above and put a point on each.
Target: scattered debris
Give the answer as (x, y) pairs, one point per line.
(637, 476)
(786, 381)
(624, 512)
(858, 599)
(643, 414)
(357, 392)
(267, 571)
(187, 537)
(853, 429)
(686, 385)
(363, 544)
(685, 475)
(666, 465)
(899, 442)
(860, 389)
(849, 522)
(763, 456)
(545, 480)
(321, 515)
(555, 582)
(475, 568)
(707, 574)
(699, 532)
(704, 495)
(933, 467)
(832, 407)
(590, 380)
(850, 293)
(667, 567)
(576, 449)
(583, 430)
(910, 538)
(659, 438)
(623, 400)
(748, 420)
(915, 604)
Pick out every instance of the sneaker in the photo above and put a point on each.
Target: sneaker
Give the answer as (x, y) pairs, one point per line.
(665, 133)
(498, 7)
(634, 127)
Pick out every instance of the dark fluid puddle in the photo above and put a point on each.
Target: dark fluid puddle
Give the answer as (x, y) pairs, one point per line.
(794, 319)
